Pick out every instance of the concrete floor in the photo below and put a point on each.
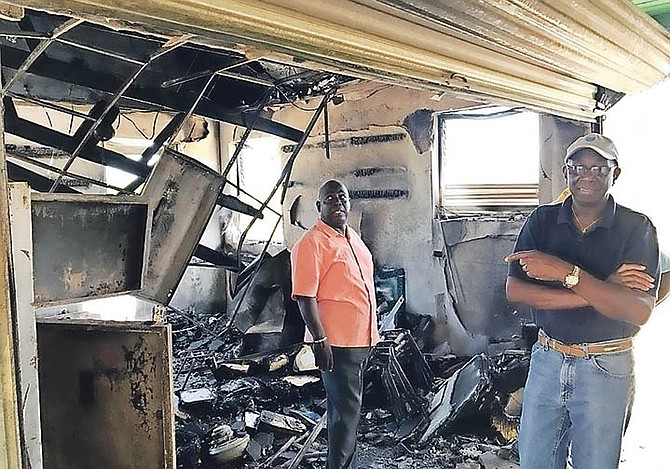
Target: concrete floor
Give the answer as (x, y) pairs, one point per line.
(647, 441)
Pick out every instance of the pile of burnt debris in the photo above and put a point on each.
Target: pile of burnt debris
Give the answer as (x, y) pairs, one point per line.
(265, 410)
(246, 396)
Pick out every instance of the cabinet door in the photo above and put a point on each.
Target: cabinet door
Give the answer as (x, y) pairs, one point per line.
(105, 392)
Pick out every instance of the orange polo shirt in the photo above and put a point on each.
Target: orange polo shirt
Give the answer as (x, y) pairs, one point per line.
(337, 270)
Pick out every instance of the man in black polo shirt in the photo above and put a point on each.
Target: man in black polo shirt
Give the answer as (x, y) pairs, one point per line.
(565, 267)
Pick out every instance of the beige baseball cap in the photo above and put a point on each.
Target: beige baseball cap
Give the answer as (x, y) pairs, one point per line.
(596, 142)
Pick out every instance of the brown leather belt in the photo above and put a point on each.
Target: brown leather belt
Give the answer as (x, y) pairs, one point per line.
(586, 350)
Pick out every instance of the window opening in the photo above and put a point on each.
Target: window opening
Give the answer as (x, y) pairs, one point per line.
(489, 160)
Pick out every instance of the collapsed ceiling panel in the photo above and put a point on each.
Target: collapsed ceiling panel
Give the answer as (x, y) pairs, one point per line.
(550, 55)
(183, 194)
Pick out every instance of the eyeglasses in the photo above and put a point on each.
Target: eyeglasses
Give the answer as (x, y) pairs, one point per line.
(595, 171)
(331, 199)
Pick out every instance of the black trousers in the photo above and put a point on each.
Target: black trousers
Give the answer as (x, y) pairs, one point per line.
(344, 392)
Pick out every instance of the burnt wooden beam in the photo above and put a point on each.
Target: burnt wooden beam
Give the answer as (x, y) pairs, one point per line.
(105, 126)
(167, 132)
(215, 257)
(236, 205)
(54, 139)
(163, 136)
(80, 75)
(17, 173)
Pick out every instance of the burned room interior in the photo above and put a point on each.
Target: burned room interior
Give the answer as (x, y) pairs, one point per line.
(161, 160)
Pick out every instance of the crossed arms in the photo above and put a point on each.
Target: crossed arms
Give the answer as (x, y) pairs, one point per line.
(623, 296)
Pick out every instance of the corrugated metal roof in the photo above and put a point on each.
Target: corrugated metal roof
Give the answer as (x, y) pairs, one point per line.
(549, 55)
(658, 9)
(653, 7)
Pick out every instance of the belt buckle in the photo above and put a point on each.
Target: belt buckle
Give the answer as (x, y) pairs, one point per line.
(585, 349)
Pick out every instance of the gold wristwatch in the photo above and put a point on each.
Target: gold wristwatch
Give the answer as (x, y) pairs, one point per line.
(572, 278)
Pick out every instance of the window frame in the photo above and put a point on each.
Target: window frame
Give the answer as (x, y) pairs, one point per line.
(468, 199)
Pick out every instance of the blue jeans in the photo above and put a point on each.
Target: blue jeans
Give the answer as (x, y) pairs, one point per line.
(574, 403)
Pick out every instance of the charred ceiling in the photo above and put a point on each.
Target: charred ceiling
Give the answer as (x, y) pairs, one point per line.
(94, 76)
(87, 62)
(58, 62)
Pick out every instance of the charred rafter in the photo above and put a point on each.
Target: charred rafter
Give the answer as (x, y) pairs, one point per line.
(23, 128)
(36, 181)
(108, 109)
(103, 85)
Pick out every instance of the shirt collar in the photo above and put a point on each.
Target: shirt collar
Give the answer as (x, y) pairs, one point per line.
(329, 230)
(607, 217)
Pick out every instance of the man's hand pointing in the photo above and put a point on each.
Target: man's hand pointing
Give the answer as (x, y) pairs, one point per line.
(541, 266)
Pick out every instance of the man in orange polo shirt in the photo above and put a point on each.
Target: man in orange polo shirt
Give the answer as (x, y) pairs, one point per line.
(333, 284)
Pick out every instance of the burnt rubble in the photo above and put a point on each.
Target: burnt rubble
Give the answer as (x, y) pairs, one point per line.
(248, 394)
(259, 410)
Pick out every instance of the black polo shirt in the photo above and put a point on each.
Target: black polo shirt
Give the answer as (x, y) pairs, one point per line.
(621, 236)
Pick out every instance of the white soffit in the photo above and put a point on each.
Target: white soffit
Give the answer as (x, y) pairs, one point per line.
(545, 54)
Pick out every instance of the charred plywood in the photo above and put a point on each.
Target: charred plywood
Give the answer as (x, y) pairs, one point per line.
(87, 246)
(476, 274)
(262, 307)
(182, 193)
(106, 395)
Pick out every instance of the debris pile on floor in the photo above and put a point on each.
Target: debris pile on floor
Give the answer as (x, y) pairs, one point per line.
(248, 394)
(264, 409)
